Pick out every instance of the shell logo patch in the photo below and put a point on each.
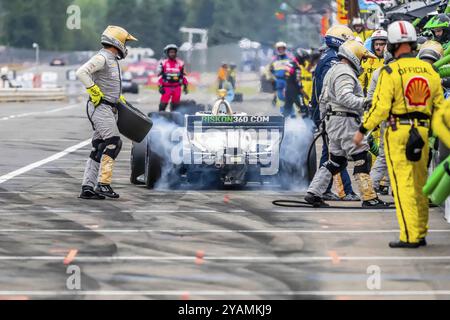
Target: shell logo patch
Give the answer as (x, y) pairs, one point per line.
(418, 92)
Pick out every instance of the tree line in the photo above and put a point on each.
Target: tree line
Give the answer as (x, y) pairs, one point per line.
(154, 22)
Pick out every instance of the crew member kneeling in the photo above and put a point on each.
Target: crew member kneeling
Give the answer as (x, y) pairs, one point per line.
(102, 77)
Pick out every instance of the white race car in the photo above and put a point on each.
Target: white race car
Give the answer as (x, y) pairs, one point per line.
(223, 148)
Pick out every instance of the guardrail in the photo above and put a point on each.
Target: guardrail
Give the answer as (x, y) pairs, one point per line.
(23, 95)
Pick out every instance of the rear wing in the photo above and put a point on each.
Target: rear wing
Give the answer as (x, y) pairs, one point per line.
(225, 122)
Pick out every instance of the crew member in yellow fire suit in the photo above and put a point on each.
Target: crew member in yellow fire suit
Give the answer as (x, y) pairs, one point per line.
(408, 92)
(441, 125)
(370, 65)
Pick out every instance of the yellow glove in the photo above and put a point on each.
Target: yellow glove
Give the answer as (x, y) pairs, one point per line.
(96, 95)
(122, 99)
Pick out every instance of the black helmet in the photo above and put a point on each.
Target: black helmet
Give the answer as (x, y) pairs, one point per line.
(302, 55)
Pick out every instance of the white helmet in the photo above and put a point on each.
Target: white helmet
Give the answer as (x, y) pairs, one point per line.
(380, 35)
(357, 22)
(401, 32)
(281, 45)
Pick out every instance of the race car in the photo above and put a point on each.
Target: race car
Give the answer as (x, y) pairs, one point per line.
(128, 84)
(221, 148)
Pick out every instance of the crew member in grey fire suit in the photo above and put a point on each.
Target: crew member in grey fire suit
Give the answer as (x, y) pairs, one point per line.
(379, 173)
(102, 77)
(343, 102)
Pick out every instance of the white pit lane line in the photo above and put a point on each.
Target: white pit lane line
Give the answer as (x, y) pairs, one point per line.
(38, 113)
(229, 259)
(41, 163)
(177, 293)
(70, 232)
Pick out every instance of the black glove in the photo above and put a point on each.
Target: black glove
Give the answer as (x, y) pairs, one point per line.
(446, 83)
(367, 105)
(162, 90)
(186, 90)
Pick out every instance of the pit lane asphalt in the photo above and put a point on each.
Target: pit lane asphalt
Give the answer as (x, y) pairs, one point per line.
(186, 244)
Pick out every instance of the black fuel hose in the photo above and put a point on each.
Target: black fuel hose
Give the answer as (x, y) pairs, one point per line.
(302, 204)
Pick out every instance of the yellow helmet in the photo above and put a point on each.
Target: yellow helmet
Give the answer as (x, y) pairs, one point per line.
(117, 37)
(431, 50)
(355, 52)
(337, 35)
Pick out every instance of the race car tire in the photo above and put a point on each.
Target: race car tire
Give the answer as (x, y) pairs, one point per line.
(153, 168)
(174, 117)
(138, 153)
(134, 88)
(190, 107)
(238, 97)
(154, 162)
(297, 167)
(290, 175)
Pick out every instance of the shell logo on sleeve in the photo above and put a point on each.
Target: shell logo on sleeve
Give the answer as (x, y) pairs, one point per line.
(418, 92)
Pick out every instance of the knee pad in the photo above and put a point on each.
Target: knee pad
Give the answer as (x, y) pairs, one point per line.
(98, 147)
(113, 147)
(362, 163)
(336, 164)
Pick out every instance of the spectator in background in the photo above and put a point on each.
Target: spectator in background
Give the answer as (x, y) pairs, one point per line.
(360, 29)
(232, 75)
(222, 75)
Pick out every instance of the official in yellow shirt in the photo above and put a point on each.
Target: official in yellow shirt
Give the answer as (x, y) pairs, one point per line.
(409, 91)
(307, 81)
(360, 30)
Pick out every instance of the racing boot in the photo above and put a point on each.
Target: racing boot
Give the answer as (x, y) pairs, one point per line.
(163, 107)
(315, 201)
(106, 191)
(404, 245)
(330, 196)
(88, 193)
(174, 107)
(368, 194)
(375, 204)
(351, 197)
(383, 190)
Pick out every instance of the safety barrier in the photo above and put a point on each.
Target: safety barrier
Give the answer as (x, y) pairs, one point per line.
(23, 95)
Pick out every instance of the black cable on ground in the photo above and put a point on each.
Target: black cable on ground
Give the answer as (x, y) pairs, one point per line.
(302, 204)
